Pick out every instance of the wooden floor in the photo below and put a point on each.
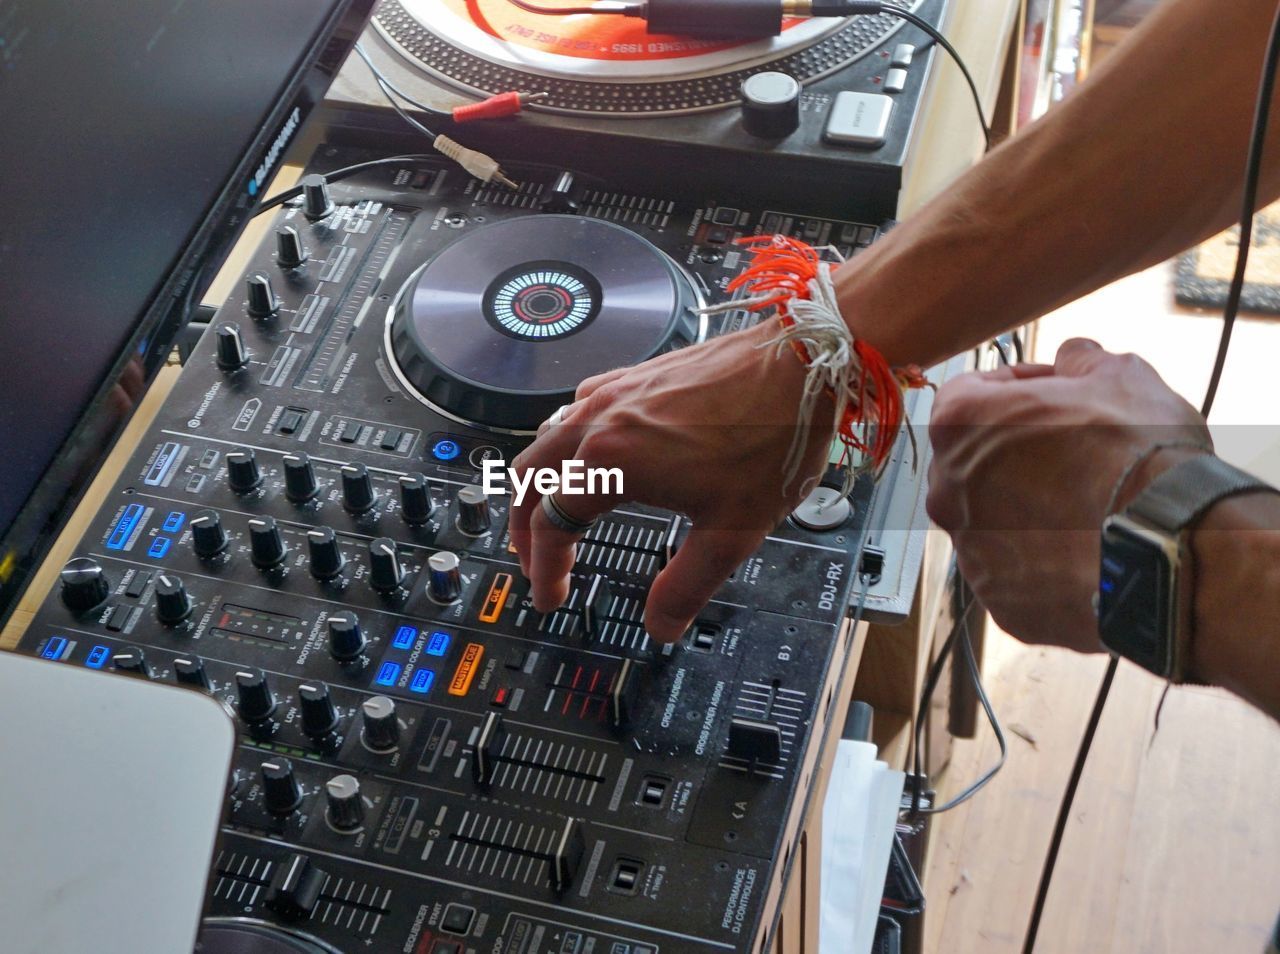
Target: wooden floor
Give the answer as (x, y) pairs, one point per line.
(1174, 843)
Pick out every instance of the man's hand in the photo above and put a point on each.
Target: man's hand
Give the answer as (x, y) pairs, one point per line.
(1025, 462)
(703, 431)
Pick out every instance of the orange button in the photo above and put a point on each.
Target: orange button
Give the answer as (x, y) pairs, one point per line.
(460, 685)
(497, 596)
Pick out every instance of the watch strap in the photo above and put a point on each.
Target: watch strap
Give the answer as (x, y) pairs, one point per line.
(1180, 495)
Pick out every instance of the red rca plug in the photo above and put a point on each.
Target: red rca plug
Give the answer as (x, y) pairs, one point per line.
(495, 107)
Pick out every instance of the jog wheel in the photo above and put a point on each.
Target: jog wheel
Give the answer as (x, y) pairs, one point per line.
(242, 936)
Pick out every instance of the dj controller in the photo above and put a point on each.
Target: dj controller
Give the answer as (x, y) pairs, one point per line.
(426, 764)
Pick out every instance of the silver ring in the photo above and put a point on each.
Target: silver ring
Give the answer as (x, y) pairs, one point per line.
(557, 415)
(561, 520)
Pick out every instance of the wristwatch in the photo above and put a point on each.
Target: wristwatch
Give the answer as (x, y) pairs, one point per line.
(1147, 577)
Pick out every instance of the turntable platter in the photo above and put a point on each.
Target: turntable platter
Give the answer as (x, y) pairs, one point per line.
(500, 327)
(610, 65)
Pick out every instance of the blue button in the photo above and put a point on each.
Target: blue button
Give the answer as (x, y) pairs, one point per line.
(53, 649)
(422, 681)
(446, 450)
(173, 523)
(438, 644)
(159, 547)
(97, 657)
(405, 637)
(388, 674)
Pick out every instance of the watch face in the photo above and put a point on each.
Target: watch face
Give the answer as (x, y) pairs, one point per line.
(1135, 605)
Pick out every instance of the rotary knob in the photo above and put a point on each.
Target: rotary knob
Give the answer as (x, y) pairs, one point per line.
(85, 586)
(281, 793)
(299, 478)
(266, 543)
(345, 803)
(357, 488)
(385, 571)
(173, 602)
(290, 252)
(319, 716)
(263, 302)
(256, 702)
(327, 560)
(190, 671)
(416, 505)
(242, 471)
(473, 511)
(208, 536)
(232, 355)
(770, 105)
(381, 725)
(316, 201)
(131, 660)
(444, 577)
(346, 638)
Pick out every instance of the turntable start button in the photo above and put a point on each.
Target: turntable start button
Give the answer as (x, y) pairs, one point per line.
(859, 119)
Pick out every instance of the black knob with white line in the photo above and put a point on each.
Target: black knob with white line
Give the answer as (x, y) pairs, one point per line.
(319, 714)
(281, 792)
(208, 535)
(416, 503)
(385, 572)
(290, 252)
(232, 354)
(346, 637)
(85, 586)
(316, 201)
(263, 302)
(474, 518)
(344, 803)
(770, 104)
(131, 660)
(255, 702)
(300, 484)
(173, 602)
(266, 543)
(190, 671)
(444, 577)
(243, 474)
(381, 730)
(358, 495)
(326, 559)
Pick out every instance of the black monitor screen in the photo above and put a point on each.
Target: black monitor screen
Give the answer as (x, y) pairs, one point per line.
(125, 128)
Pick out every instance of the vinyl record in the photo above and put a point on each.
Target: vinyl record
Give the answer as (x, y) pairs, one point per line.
(500, 327)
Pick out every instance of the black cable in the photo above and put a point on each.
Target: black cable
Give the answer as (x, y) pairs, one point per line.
(336, 176)
(558, 11)
(388, 88)
(1252, 176)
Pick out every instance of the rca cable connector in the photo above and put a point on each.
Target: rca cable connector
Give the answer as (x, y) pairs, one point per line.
(495, 107)
(485, 168)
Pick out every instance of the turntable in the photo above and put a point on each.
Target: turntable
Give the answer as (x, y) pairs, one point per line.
(656, 111)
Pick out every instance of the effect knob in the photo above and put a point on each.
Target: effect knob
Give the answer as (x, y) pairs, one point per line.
(131, 660)
(345, 804)
(346, 638)
(316, 201)
(319, 717)
(190, 671)
(299, 478)
(173, 602)
(416, 504)
(85, 586)
(263, 302)
(326, 560)
(281, 793)
(770, 105)
(266, 543)
(232, 355)
(208, 536)
(290, 252)
(474, 518)
(242, 471)
(381, 725)
(256, 702)
(444, 577)
(357, 488)
(385, 571)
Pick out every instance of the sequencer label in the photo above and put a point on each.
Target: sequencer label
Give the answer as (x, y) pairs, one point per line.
(466, 671)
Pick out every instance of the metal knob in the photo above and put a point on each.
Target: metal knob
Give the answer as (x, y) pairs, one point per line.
(770, 105)
(474, 518)
(345, 803)
(444, 580)
(381, 725)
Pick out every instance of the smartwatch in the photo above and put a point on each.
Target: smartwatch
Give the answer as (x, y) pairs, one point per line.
(1147, 577)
